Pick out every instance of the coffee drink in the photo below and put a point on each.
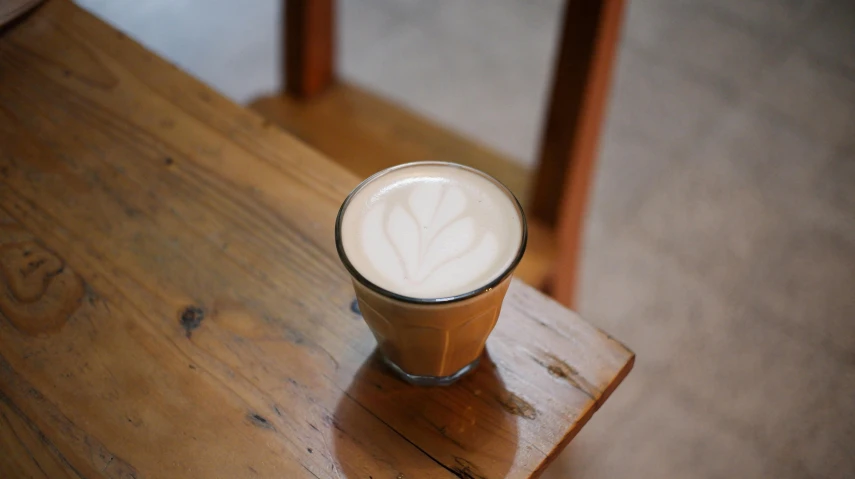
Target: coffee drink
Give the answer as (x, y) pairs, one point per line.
(431, 231)
(431, 247)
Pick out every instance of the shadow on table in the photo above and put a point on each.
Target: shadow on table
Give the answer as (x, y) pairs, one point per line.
(462, 426)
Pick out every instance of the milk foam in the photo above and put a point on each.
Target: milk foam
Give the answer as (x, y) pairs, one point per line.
(431, 230)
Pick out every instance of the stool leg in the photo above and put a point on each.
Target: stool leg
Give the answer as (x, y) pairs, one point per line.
(581, 83)
(309, 37)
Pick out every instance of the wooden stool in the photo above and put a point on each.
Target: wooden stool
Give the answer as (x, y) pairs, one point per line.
(366, 133)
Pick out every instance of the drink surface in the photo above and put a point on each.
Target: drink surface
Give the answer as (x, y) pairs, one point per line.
(431, 230)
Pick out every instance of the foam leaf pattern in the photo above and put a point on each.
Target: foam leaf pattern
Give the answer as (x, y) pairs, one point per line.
(428, 244)
(377, 246)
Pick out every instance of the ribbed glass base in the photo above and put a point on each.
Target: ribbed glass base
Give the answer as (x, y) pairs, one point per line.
(432, 380)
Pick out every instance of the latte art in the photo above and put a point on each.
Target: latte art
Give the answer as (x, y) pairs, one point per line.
(433, 241)
(431, 231)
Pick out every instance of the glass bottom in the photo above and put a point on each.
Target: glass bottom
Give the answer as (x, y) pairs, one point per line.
(432, 380)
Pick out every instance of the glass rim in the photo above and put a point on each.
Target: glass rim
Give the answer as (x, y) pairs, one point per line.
(354, 273)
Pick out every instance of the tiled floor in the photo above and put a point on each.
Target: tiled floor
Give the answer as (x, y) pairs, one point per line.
(721, 240)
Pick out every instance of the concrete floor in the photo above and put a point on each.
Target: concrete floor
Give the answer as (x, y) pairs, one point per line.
(721, 239)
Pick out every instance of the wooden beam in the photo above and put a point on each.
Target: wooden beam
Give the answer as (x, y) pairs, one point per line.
(581, 83)
(309, 46)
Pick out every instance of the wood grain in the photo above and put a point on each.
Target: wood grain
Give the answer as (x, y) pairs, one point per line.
(187, 315)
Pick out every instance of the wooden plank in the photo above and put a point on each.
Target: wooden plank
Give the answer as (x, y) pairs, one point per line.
(366, 133)
(175, 307)
(581, 83)
(309, 37)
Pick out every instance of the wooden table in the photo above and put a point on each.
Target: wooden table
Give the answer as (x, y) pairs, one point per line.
(174, 307)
